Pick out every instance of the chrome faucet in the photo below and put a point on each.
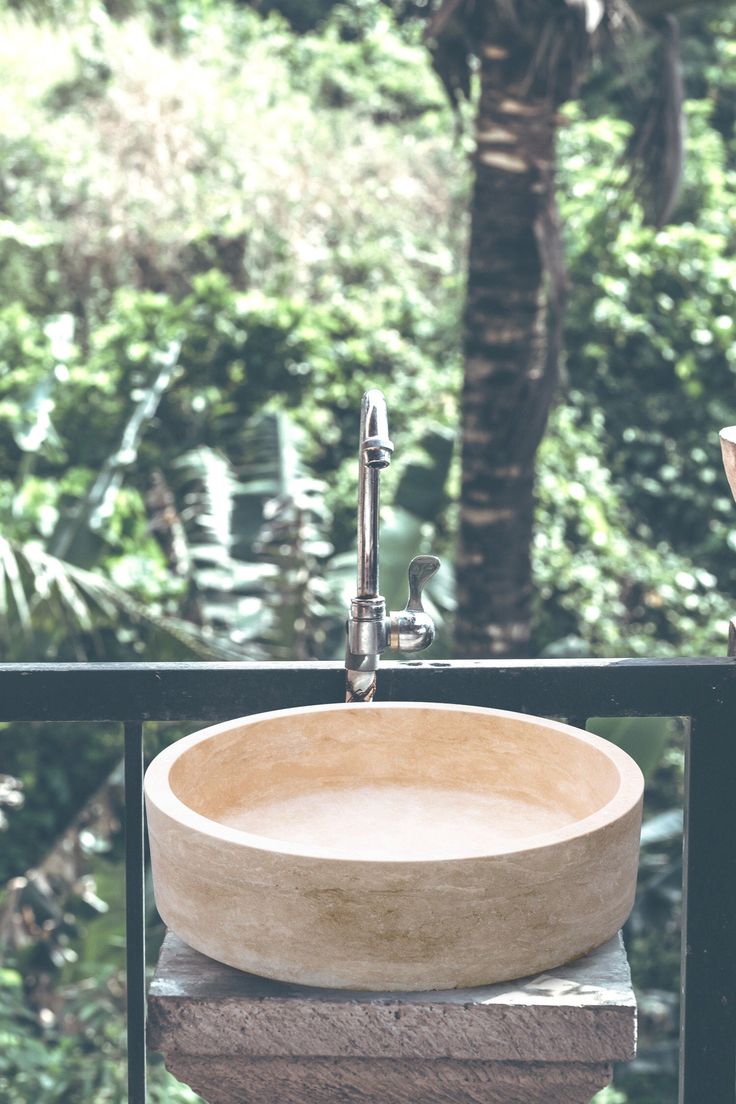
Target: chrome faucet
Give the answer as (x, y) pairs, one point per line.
(370, 630)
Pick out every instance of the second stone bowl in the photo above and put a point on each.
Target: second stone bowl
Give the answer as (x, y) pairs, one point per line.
(394, 846)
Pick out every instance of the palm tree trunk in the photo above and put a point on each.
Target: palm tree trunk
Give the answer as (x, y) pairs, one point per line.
(511, 344)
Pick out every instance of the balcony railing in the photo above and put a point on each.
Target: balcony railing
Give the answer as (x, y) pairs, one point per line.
(703, 690)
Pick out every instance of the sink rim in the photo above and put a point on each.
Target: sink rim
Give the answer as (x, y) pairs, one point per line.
(159, 792)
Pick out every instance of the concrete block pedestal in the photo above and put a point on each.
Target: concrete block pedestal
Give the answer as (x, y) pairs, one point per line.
(240, 1039)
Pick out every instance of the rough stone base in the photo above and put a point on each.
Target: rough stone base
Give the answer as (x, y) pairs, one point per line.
(386, 1081)
(239, 1039)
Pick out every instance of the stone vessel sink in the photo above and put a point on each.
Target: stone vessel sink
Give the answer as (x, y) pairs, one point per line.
(396, 846)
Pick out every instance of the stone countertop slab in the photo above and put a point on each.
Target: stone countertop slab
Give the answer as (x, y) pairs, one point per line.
(584, 1012)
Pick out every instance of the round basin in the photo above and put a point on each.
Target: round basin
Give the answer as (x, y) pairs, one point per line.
(394, 845)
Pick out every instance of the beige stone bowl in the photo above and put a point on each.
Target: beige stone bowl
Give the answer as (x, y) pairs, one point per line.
(394, 846)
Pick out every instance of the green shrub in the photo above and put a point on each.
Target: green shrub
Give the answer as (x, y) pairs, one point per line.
(651, 341)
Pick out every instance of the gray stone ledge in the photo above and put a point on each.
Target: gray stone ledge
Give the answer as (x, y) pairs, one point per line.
(582, 1013)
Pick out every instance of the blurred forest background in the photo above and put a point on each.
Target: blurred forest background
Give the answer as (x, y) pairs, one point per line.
(219, 224)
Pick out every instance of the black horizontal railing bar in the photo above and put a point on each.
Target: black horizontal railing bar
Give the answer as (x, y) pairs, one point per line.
(216, 691)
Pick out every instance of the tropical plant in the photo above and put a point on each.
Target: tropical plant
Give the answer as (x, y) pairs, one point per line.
(650, 334)
(604, 584)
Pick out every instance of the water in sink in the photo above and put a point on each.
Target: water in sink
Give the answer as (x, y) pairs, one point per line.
(397, 821)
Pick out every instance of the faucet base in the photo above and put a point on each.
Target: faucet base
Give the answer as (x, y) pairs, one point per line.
(360, 686)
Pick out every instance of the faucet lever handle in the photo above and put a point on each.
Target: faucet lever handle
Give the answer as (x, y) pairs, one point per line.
(421, 570)
(411, 629)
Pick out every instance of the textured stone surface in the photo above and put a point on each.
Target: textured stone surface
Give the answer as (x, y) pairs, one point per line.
(235, 1037)
(534, 862)
(385, 1081)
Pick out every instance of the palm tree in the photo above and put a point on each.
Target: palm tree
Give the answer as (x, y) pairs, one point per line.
(532, 56)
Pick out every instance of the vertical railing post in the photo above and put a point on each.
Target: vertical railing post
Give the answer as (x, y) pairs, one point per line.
(708, 972)
(135, 918)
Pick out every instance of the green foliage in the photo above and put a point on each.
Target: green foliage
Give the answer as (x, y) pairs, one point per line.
(38, 756)
(609, 1095)
(645, 739)
(148, 182)
(605, 586)
(79, 1059)
(659, 361)
(382, 75)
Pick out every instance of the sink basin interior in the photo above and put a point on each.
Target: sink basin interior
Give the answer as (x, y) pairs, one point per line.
(395, 782)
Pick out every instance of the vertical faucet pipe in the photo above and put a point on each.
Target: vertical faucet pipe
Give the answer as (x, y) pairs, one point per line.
(368, 514)
(374, 455)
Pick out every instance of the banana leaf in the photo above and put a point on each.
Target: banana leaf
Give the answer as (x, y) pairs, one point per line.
(645, 739)
(77, 538)
(50, 609)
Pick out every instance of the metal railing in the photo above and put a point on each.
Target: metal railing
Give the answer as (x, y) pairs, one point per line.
(703, 690)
